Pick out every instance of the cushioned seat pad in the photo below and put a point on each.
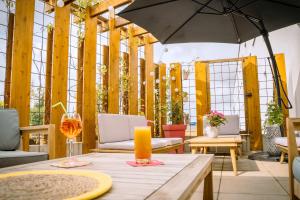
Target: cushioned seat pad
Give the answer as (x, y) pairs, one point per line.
(296, 168)
(10, 158)
(283, 141)
(129, 145)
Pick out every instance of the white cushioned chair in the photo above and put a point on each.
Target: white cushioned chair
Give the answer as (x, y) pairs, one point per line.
(116, 134)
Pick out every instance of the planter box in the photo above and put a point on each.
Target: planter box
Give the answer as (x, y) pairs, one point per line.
(175, 131)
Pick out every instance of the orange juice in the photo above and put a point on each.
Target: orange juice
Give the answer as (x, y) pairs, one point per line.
(70, 127)
(142, 144)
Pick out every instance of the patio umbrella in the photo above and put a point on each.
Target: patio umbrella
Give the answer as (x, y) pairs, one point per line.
(222, 21)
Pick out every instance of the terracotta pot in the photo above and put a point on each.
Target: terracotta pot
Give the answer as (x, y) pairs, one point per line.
(175, 130)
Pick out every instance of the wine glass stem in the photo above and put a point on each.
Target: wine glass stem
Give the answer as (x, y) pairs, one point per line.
(70, 143)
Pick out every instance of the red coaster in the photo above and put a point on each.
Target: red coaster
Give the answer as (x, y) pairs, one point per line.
(152, 163)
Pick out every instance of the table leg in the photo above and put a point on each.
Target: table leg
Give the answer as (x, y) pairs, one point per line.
(194, 150)
(233, 159)
(208, 187)
(205, 150)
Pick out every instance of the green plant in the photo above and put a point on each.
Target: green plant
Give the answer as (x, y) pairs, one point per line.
(49, 27)
(1, 104)
(274, 115)
(102, 91)
(175, 111)
(216, 119)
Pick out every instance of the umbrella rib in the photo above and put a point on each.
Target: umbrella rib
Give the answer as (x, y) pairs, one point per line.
(220, 12)
(235, 29)
(186, 21)
(148, 6)
(282, 3)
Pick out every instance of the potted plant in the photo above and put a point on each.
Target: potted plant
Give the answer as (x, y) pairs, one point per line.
(177, 127)
(273, 121)
(215, 120)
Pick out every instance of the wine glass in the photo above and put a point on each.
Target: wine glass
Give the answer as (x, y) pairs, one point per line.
(71, 127)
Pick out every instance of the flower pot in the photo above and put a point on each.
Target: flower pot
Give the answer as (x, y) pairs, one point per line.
(212, 132)
(269, 146)
(175, 130)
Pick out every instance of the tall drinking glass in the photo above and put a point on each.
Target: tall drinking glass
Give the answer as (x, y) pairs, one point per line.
(142, 145)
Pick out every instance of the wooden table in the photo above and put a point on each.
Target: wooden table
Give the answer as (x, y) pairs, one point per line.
(177, 179)
(231, 141)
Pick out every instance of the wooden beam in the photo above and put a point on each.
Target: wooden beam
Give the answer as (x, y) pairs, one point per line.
(162, 93)
(60, 74)
(202, 93)
(142, 86)
(157, 108)
(138, 31)
(9, 51)
(105, 59)
(176, 84)
(149, 69)
(48, 76)
(113, 70)
(103, 6)
(125, 86)
(133, 73)
(21, 62)
(252, 103)
(89, 85)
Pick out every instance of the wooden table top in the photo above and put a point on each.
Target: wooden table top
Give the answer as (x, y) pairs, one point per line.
(174, 180)
(218, 140)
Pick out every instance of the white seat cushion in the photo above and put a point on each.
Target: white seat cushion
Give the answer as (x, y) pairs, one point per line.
(169, 141)
(135, 121)
(283, 141)
(129, 145)
(113, 128)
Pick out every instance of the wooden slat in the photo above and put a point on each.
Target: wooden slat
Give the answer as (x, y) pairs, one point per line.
(60, 75)
(89, 85)
(133, 73)
(103, 6)
(21, 61)
(202, 93)
(125, 67)
(149, 69)
(142, 85)
(9, 51)
(105, 59)
(139, 31)
(48, 77)
(162, 93)
(114, 62)
(252, 105)
(80, 60)
(175, 72)
(280, 60)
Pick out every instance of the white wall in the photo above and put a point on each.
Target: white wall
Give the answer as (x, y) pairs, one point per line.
(287, 41)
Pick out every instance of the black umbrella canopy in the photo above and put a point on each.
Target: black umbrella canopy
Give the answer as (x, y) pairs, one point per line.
(224, 21)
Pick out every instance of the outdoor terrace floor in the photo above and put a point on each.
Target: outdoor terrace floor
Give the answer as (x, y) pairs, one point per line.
(257, 180)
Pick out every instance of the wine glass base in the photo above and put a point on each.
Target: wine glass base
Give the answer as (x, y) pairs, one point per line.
(70, 163)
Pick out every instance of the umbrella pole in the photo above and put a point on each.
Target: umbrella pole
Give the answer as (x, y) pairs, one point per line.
(265, 35)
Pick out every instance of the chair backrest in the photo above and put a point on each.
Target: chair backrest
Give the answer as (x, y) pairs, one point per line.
(292, 125)
(116, 128)
(9, 131)
(231, 127)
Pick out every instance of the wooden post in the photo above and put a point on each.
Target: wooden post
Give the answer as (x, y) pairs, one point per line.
(162, 94)
(21, 62)
(114, 62)
(252, 103)
(89, 84)
(142, 85)
(60, 75)
(149, 78)
(125, 85)
(202, 93)
(48, 77)
(157, 105)
(280, 59)
(105, 59)
(9, 51)
(176, 84)
(133, 73)
(79, 95)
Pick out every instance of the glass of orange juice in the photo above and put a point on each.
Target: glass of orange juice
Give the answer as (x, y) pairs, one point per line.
(142, 144)
(70, 126)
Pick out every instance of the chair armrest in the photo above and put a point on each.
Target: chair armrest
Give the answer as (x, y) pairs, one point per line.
(41, 129)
